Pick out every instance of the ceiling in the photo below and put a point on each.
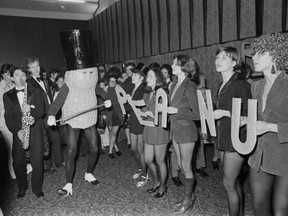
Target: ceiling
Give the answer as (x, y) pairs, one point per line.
(57, 9)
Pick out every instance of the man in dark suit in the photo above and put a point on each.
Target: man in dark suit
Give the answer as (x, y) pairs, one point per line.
(33, 65)
(17, 101)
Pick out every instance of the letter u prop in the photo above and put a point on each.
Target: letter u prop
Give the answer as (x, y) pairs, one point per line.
(248, 146)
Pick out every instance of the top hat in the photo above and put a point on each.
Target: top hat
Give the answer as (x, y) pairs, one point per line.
(78, 49)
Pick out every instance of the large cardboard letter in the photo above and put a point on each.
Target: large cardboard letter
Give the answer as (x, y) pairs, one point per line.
(248, 146)
(206, 114)
(161, 107)
(122, 98)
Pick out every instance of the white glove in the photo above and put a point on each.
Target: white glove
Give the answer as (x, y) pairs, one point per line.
(51, 120)
(107, 103)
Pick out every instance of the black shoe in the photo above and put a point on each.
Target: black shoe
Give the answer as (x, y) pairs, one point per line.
(152, 190)
(111, 155)
(62, 192)
(38, 195)
(160, 195)
(177, 181)
(21, 194)
(118, 153)
(129, 146)
(202, 172)
(215, 165)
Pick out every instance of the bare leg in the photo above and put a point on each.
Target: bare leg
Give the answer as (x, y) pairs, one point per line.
(160, 153)
(280, 196)
(134, 150)
(149, 158)
(232, 164)
(261, 185)
(113, 135)
(140, 150)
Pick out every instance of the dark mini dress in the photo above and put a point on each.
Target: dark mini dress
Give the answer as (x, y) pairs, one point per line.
(114, 116)
(234, 88)
(134, 125)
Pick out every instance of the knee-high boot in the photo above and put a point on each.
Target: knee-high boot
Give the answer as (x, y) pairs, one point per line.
(188, 201)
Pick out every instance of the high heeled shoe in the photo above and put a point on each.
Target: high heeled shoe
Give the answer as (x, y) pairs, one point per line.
(152, 190)
(160, 195)
(118, 153)
(111, 155)
(215, 165)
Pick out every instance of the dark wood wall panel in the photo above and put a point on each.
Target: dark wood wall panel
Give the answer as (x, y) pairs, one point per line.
(229, 31)
(110, 34)
(126, 30)
(105, 36)
(174, 26)
(248, 23)
(272, 16)
(131, 18)
(198, 24)
(98, 44)
(120, 31)
(185, 40)
(155, 28)
(102, 58)
(9, 52)
(138, 28)
(115, 33)
(163, 16)
(146, 27)
(93, 32)
(212, 36)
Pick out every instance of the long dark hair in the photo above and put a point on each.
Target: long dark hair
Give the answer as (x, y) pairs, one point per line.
(160, 81)
(187, 64)
(6, 68)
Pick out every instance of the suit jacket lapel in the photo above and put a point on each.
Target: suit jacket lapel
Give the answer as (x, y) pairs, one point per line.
(225, 87)
(179, 92)
(14, 99)
(278, 86)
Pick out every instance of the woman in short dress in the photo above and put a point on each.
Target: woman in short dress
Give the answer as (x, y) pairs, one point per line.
(269, 161)
(184, 134)
(227, 63)
(156, 138)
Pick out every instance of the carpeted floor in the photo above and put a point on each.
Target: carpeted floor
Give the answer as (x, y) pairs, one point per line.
(117, 193)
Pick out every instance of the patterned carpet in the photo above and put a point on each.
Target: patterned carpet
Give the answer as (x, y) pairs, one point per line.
(117, 193)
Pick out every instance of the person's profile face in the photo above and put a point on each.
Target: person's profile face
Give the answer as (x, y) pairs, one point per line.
(151, 79)
(262, 61)
(128, 71)
(34, 68)
(60, 82)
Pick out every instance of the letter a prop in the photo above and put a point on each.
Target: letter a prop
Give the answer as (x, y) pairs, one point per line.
(248, 146)
(161, 107)
(206, 114)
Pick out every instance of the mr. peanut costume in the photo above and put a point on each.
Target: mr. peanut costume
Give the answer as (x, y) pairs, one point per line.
(77, 95)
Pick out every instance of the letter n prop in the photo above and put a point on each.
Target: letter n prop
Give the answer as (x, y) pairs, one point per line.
(248, 146)
(206, 114)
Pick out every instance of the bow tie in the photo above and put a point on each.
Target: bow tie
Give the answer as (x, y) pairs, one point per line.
(19, 90)
(38, 79)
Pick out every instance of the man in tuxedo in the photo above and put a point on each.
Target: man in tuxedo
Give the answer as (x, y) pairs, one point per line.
(16, 103)
(51, 80)
(33, 65)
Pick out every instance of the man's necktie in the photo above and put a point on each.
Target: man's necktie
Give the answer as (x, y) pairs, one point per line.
(38, 79)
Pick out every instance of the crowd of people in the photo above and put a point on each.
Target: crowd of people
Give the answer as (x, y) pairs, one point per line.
(180, 141)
